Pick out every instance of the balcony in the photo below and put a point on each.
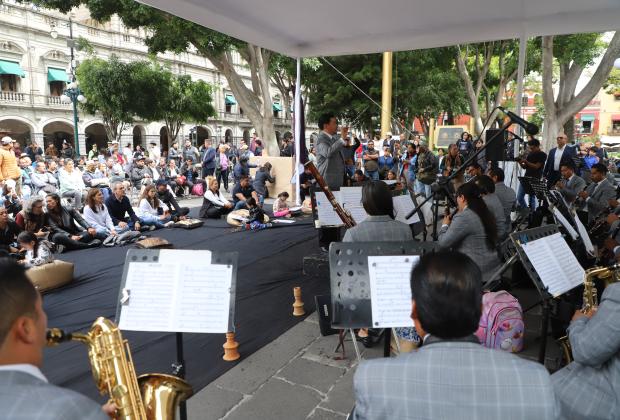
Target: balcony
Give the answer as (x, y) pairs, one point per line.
(14, 97)
(56, 102)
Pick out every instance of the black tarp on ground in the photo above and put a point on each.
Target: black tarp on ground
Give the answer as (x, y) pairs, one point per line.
(270, 265)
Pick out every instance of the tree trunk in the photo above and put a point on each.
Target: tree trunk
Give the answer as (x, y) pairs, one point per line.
(474, 109)
(569, 129)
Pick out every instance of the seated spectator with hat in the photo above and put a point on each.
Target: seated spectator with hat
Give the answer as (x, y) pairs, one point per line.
(451, 376)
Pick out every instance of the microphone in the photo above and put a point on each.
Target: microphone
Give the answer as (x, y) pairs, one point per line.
(529, 128)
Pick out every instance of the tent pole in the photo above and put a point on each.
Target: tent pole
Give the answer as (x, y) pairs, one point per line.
(386, 94)
(518, 97)
(299, 136)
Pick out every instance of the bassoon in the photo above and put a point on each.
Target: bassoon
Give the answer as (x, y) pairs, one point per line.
(342, 213)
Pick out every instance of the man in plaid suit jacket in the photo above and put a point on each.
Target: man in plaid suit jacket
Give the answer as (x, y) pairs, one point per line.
(589, 388)
(452, 376)
(25, 393)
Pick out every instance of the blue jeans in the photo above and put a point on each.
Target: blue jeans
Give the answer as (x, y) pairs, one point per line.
(421, 188)
(350, 170)
(150, 220)
(240, 205)
(374, 175)
(521, 198)
(103, 233)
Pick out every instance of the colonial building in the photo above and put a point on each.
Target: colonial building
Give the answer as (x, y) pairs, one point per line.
(35, 57)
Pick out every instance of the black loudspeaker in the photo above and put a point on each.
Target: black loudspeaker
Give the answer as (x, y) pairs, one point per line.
(496, 149)
(323, 308)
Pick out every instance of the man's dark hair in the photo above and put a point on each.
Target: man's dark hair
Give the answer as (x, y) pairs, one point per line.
(474, 165)
(250, 202)
(358, 172)
(486, 184)
(17, 295)
(447, 289)
(325, 119)
(568, 164)
(600, 168)
(377, 199)
(533, 143)
(498, 173)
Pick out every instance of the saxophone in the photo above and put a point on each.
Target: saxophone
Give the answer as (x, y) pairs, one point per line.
(609, 275)
(152, 396)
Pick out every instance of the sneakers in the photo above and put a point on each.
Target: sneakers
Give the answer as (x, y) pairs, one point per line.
(169, 224)
(152, 228)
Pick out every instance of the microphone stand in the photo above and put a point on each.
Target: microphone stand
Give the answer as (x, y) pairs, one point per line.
(442, 184)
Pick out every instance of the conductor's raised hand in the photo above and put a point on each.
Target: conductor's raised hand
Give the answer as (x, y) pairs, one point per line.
(344, 132)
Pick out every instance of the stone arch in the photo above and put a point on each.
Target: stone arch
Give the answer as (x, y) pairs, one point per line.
(202, 133)
(95, 134)
(20, 129)
(139, 136)
(163, 139)
(228, 135)
(246, 136)
(57, 131)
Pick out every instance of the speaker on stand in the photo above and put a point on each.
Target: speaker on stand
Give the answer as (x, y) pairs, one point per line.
(496, 150)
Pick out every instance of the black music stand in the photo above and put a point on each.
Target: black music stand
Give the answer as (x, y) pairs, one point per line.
(518, 239)
(153, 255)
(350, 282)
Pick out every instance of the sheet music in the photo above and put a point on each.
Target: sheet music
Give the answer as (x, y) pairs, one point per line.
(554, 263)
(390, 290)
(173, 256)
(326, 213)
(403, 204)
(177, 296)
(558, 215)
(352, 202)
(583, 232)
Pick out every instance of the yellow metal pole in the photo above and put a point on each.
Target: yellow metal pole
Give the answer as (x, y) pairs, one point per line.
(386, 94)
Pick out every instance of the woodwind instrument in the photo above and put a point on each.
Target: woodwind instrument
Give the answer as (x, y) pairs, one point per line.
(342, 213)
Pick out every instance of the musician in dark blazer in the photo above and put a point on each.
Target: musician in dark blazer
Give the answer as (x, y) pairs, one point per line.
(25, 393)
(571, 184)
(596, 196)
(451, 376)
(595, 371)
(472, 230)
(562, 153)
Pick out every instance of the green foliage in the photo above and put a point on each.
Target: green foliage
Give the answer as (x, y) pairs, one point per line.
(581, 49)
(538, 117)
(612, 85)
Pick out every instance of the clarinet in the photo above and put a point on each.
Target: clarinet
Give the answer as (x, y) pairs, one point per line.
(342, 213)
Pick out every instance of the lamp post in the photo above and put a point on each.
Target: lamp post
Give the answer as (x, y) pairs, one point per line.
(72, 93)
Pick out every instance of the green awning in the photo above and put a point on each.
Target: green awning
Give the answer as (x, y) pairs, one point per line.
(277, 107)
(56, 75)
(587, 117)
(11, 67)
(230, 99)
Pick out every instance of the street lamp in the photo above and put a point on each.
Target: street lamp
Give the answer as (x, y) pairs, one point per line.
(72, 93)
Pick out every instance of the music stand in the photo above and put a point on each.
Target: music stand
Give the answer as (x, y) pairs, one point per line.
(350, 282)
(159, 256)
(518, 239)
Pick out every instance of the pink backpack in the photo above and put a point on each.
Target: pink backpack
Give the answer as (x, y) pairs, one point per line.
(501, 325)
(197, 189)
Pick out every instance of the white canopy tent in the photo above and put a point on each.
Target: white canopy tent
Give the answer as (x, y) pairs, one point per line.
(303, 28)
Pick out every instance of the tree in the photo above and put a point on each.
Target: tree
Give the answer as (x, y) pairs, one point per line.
(167, 32)
(573, 53)
(111, 90)
(488, 68)
(176, 99)
(612, 85)
(283, 71)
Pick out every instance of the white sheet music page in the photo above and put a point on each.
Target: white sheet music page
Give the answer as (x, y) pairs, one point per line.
(390, 290)
(555, 263)
(403, 204)
(180, 296)
(325, 211)
(352, 202)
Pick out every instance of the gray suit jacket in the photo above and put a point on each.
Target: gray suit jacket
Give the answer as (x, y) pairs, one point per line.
(329, 160)
(495, 206)
(571, 187)
(466, 234)
(453, 380)
(508, 198)
(379, 228)
(598, 198)
(589, 388)
(24, 397)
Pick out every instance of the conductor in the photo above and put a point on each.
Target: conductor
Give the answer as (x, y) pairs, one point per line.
(330, 164)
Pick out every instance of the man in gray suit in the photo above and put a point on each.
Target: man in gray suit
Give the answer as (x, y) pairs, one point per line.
(330, 164)
(589, 387)
(597, 195)
(570, 185)
(506, 195)
(452, 376)
(24, 390)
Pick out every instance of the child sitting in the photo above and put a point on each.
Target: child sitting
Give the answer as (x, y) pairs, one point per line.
(256, 221)
(280, 206)
(38, 252)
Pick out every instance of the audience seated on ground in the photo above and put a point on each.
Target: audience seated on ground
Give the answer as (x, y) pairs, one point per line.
(38, 251)
(280, 205)
(256, 220)
(120, 208)
(96, 215)
(595, 342)
(150, 210)
(214, 205)
(167, 198)
(32, 218)
(43, 182)
(68, 227)
(452, 376)
(242, 191)
(71, 184)
(8, 234)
